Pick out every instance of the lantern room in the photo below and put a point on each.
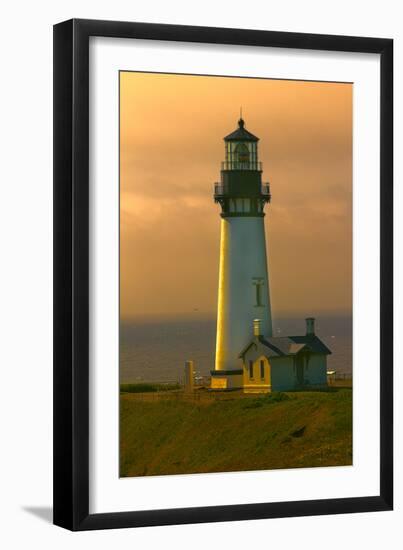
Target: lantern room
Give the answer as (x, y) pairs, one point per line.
(241, 150)
(240, 191)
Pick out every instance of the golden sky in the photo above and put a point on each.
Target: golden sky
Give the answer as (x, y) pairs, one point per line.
(171, 146)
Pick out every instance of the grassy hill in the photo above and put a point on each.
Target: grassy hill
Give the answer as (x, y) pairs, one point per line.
(287, 430)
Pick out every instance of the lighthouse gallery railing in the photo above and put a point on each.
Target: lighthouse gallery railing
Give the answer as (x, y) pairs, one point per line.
(239, 165)
(220, 189)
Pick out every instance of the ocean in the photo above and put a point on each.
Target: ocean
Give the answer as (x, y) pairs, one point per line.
(155, 349)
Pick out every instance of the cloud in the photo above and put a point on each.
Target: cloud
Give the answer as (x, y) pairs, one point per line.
(171, 148)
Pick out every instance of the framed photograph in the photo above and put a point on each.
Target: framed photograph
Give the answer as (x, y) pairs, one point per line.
(223, 321)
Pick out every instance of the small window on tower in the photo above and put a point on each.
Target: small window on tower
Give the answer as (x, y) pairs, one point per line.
(251, 369)
(258, 284)
(262, 369)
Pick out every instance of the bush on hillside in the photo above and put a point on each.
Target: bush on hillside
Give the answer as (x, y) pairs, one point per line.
(145, 387)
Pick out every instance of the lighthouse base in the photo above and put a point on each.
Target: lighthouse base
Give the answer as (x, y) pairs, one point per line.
(226, 380)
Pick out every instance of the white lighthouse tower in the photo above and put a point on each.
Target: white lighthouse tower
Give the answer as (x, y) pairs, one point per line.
(243, 293)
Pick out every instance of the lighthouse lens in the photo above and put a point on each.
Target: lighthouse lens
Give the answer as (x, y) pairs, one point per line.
(242, 153)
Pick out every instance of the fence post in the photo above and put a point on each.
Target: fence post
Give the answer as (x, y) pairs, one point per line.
(189, 377)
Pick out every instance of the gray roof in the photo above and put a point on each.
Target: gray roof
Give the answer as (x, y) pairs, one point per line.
(313, 342)
(278, 346)
(241, 133)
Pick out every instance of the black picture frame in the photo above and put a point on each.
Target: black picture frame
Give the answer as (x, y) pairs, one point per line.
(71, 274)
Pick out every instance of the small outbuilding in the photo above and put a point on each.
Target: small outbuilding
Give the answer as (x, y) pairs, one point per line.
(284, 363)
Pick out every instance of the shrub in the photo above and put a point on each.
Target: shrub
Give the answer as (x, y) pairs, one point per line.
(277, 396)
(144, 387)
(255, 404)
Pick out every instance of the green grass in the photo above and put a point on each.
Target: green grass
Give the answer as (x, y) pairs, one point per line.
(147, 388)
(283, 430)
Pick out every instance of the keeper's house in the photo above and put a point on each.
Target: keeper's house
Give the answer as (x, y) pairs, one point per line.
(277, 363)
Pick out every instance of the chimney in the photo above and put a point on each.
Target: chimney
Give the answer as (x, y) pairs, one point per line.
(256, 327)
(310, 326)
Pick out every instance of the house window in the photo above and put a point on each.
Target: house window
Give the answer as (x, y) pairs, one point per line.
(262, 369)
(251, 369)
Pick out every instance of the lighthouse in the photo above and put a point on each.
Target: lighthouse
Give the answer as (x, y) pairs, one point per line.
(243, 289)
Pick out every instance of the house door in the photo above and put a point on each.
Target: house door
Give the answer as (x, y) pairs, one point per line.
(300, 370)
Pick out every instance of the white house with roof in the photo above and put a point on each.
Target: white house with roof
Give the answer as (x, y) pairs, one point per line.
(284, 363)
